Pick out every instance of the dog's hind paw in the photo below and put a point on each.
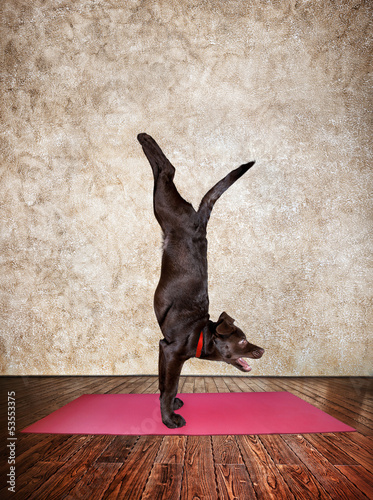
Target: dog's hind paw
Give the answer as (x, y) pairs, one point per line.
(178, 403)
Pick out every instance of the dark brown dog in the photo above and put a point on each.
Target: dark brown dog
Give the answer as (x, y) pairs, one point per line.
(181, 300)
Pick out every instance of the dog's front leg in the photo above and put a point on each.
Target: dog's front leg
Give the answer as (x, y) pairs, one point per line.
(170, 366)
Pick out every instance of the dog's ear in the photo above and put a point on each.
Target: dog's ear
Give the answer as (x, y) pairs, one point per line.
(225, 317)
(225, 325)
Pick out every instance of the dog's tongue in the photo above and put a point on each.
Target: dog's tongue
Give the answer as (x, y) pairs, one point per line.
(244, 364)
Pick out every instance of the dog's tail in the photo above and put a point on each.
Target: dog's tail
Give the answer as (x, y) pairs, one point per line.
(155, 156)
(208, 201)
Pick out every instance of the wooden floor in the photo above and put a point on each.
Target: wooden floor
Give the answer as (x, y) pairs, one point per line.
(313, 466)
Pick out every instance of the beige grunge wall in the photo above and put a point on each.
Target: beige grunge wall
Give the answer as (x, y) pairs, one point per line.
(217, 84)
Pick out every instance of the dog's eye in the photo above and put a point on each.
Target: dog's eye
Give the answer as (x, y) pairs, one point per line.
(242, 342)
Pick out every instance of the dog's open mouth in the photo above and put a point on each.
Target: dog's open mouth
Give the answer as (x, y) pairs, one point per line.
(242, 364)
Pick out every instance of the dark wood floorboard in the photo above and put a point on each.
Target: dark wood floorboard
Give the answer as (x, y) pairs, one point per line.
(289, 466)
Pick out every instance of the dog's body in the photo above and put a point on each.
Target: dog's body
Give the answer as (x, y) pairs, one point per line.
(181, 299)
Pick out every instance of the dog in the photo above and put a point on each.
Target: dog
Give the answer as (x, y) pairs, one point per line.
(181, 301)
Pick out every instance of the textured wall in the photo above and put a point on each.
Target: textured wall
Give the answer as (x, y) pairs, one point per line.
(217, 84)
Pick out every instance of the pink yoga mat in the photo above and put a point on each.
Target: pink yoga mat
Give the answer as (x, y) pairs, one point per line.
(206, 414)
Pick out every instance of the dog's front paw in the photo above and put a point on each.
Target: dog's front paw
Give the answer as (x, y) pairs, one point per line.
(174, 421)
(178, 403)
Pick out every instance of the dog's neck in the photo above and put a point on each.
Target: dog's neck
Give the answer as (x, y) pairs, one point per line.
(206, 347)
(200, 345)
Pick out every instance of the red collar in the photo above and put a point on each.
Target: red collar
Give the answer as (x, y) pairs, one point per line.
(199, 346)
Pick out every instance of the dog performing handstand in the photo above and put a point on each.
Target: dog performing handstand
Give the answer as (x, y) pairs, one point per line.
(181, 300)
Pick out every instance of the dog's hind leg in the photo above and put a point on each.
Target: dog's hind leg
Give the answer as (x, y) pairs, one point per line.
(156, 157)
(168, 203)
(208, 201)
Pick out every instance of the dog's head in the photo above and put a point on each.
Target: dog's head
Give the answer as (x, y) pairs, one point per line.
(232, 345)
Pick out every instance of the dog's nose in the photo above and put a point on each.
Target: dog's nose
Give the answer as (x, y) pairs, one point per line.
(258, 353)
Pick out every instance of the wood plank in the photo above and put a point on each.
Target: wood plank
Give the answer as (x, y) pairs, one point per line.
(142, 385)
(232, 385)
(234, 482)
(226, 451)
(118, 450)
(103, 385)
(240, 383)
(356, 388)
(259, 384)
(252, 385)
(28, 385)
(60, 483)
(199, 475)
(324, 444)
(210, 385)
(323, 471)
(357, 446)
(279, 451)
(359, 476)
(164, 482)
(31, 479)
(359, 440)
(49, 446)
(188, 386)
(267, 384)
(360, 385)
(95, 482)
(29, 445)
(354, 392)
(172, 450)
(126, 386)
(181, 385)
(199, 385)
(275, 385)
(301, 483)
(267, 480)
(152, 388)
(63, 451)
(24, 443)
(130, 481)
(221, 385)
